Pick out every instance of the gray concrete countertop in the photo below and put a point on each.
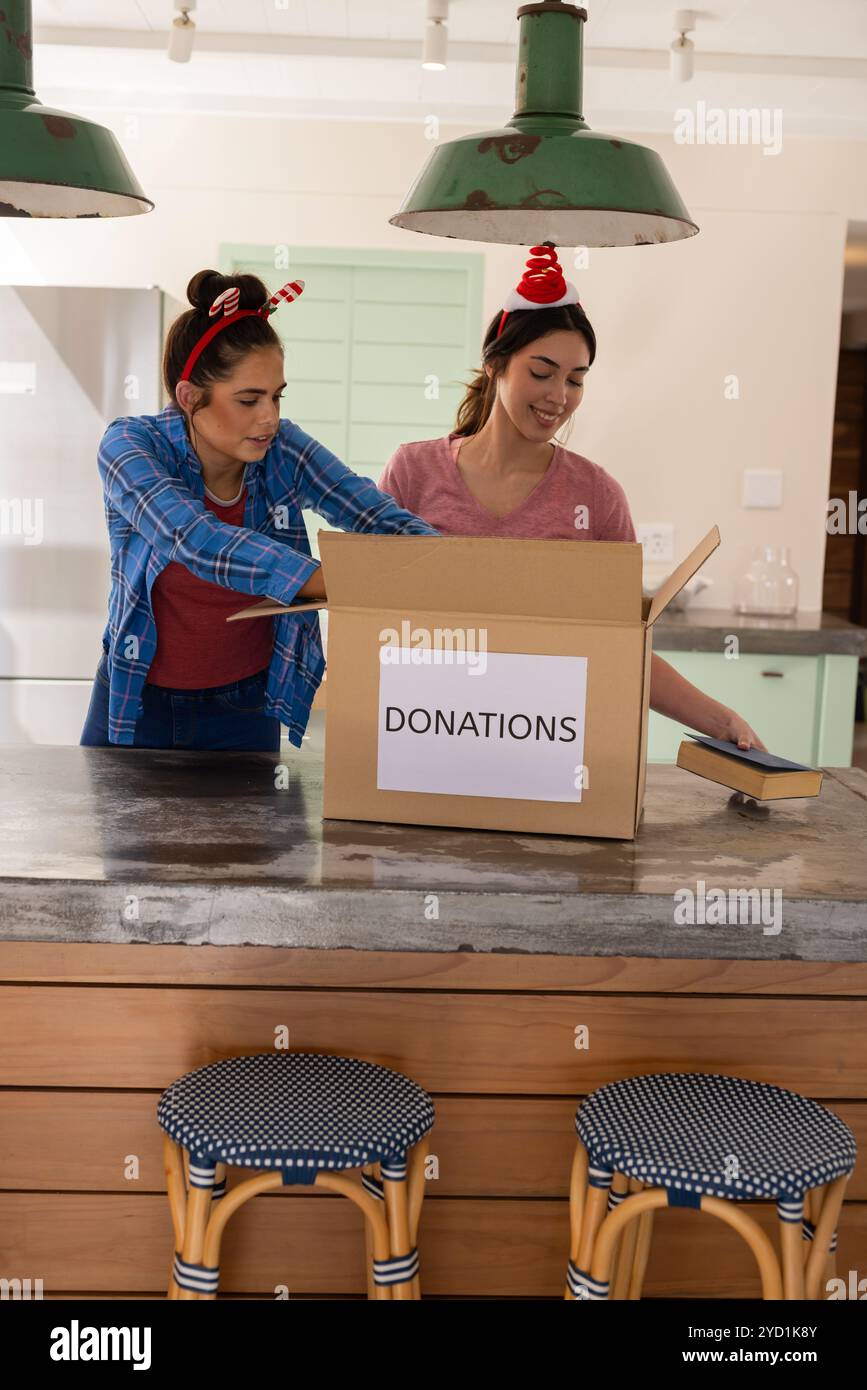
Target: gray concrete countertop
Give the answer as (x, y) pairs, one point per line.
(138, 845)
(804, 634)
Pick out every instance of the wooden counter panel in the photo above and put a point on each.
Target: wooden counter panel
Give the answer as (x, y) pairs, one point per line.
(273, 967)
(487, 1146)
(488, 1043)
(494, 1247)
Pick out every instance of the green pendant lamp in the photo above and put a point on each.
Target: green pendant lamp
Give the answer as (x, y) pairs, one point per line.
(546, 176)
(53, 164)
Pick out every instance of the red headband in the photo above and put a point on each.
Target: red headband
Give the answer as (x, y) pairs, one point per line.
(228, 302)
(542, 285)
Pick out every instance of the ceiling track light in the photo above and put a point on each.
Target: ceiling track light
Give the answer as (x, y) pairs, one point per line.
(182, 32)
(436, 36)
(682, 50)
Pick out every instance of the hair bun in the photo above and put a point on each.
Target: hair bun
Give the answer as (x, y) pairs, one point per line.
(207, 284)
(204, 288)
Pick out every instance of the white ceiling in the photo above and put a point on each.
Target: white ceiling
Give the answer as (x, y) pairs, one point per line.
(360, 59)
(829, 28)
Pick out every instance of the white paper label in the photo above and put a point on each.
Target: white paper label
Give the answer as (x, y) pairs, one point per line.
(516, 730)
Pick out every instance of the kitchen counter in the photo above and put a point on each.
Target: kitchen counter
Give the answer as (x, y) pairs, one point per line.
(213, 854)
(804, 634)
(162, 910)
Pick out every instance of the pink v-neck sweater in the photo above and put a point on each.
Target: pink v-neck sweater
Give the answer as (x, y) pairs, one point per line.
(573, 500)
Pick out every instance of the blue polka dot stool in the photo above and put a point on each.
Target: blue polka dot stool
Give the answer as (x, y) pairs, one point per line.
(709, 1142)
(306, 1118)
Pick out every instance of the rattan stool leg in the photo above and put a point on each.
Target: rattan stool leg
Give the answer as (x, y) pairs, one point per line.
(642, 1254)
(812, 1206)
(826, 1225)
(397, 1213)
(415, 1189)
(621, 1258)
(221, 1211)
(371, 1171)
(218, 1191)
(177, 1195)
(749, 1228)
(577, 1198)
(790, 1215)
(813, 1203)
(374, 1212)
(198, 1208)
(614, 1228)
(623, 1276)
(585, 1226)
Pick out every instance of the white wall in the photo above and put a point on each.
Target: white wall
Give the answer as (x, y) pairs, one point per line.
(756, 294)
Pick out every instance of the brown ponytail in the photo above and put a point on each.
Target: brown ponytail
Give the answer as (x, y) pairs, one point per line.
(522, 327)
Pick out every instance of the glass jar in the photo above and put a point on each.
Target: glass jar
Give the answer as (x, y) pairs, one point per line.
(769, 585)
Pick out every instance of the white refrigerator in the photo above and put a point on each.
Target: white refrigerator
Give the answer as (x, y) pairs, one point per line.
(71, 360)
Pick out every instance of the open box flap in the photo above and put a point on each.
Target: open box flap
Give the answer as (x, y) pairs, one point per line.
(554, 579)
(685, 570)
(270, 605)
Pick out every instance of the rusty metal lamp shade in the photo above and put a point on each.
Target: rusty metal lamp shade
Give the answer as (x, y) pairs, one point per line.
(546, 176)
(53, 164)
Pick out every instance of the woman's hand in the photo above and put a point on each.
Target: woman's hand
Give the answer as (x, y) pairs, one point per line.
(737, 730)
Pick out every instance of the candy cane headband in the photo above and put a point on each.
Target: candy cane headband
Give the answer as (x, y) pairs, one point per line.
(228, 301)
(542, 286)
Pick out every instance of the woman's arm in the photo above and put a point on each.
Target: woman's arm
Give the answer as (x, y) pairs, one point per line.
(344, 498)
(672, 695)
(179, 527)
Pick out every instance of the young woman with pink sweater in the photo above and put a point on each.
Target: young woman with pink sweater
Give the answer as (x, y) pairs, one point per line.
(501, 472)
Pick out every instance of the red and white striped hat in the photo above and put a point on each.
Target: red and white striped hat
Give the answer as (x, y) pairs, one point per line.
(228, 302)
(542, 286)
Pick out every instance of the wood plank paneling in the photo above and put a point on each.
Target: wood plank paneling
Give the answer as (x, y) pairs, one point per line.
(492, 1037)
(488, 1043)
(272, 967)
(491, 1146)
(496, 1247)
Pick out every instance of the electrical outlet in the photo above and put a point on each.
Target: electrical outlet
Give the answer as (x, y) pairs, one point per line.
(656, 539)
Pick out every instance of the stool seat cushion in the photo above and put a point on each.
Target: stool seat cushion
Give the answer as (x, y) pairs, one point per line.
(714, 1135)
(298, 1111)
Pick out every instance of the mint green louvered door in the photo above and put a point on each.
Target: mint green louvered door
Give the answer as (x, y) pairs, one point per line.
(378, 347)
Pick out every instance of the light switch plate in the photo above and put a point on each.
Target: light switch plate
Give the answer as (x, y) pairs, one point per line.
(762, 487)
(17, 378)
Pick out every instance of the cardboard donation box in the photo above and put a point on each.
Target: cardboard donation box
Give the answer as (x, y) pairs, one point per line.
(492, 684)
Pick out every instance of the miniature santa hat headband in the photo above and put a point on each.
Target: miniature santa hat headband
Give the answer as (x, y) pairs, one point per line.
(542, 286)
(228, 302)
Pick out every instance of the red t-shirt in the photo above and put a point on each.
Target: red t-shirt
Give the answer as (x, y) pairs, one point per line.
(573, 500)
(196, 647)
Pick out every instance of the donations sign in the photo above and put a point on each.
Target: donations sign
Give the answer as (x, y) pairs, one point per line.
(514, 728)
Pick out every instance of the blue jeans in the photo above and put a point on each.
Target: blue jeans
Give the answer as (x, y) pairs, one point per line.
(222, 716)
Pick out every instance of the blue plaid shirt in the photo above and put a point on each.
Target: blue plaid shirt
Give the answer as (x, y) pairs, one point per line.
(154, 508)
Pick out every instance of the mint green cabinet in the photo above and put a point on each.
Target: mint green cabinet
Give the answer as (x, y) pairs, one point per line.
(802, 707)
